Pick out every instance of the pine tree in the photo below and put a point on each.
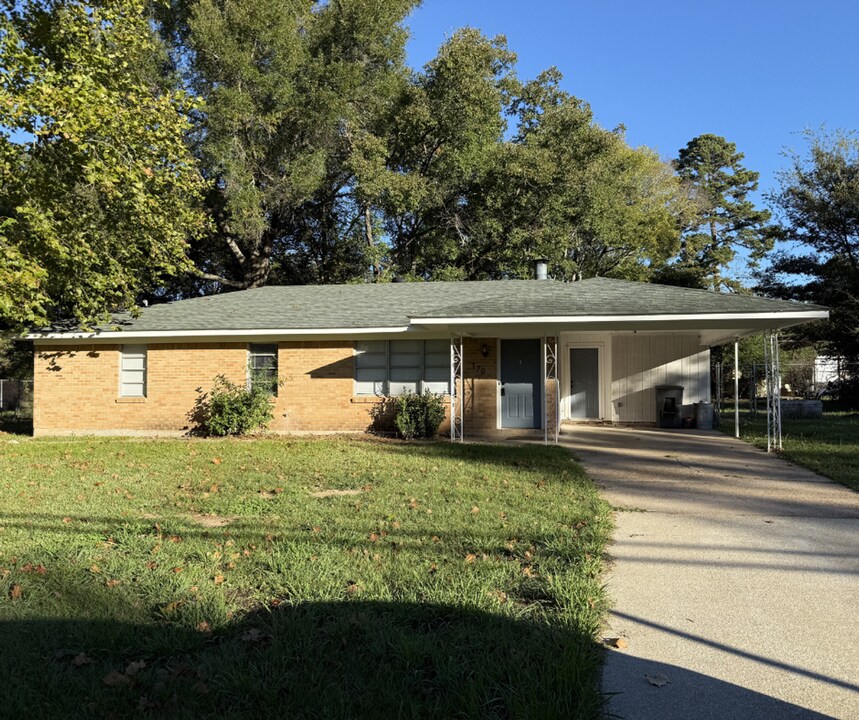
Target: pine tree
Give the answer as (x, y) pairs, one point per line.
(724, 219)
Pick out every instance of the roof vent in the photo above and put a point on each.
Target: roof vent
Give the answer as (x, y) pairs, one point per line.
(541, 269)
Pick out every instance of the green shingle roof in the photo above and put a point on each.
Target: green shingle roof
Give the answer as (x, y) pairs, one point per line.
(396, 304)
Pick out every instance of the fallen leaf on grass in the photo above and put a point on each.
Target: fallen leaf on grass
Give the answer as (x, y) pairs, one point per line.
(67, 520)
(219, 579)
(112, 583)
(116, 679)
(134, 667)
(15, 592)
(204, 627)
(617, 642)
(177, 569)
(657, 679)
(470, 558)
(475, 510)
(81, 659)
(216, 461)
(151, 565)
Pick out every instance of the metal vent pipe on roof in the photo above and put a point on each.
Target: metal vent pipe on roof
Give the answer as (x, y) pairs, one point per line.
(541, 269)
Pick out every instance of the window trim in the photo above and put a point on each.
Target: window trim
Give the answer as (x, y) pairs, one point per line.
(422, 382)
(125, 351)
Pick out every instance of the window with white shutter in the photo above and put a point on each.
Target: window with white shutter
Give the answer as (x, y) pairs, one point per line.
(132, 371)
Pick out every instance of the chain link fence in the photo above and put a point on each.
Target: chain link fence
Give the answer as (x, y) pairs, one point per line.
(822, 379)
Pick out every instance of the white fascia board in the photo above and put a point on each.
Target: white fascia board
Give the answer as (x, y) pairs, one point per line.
(798, 316)
(121, 335)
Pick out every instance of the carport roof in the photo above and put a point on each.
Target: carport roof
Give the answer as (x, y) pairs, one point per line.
(400, 307)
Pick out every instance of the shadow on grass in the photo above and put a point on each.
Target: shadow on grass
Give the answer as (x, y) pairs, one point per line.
(15, 425)
(349, 659)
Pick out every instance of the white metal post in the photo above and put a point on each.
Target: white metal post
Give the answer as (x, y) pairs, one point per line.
(545, 386)
(462, 399)
(736, 388)
(557, 387)
(457, 391)
(773, 380)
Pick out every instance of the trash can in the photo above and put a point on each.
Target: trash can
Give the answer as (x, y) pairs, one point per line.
(669, 398)
(704, 415)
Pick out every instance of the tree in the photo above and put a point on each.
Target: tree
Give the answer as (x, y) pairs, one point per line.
(561, 187)
(442, 148)
(98, 191)
(818, 200)
(294, 90)
(725, 220)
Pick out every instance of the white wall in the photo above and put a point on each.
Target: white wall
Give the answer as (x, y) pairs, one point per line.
(641, 362)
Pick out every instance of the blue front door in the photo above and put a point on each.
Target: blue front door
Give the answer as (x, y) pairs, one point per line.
(521, 382)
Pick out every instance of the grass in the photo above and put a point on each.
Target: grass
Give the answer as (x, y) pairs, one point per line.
(298, 578)
(828, 445)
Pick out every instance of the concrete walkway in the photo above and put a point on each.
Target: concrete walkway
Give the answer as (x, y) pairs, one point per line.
(735, 579)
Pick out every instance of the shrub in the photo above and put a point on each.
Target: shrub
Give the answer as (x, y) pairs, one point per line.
(231, 409)
(419, 416)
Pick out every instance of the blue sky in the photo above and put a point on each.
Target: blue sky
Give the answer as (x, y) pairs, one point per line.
(757, 72)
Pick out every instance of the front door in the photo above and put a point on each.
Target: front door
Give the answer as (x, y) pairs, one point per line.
(521, 381)
(584, 384)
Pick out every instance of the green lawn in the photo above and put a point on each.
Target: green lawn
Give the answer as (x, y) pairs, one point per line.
(829, 446)
(297, 578)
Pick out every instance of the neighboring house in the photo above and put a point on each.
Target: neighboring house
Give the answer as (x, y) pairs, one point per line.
(340, 349)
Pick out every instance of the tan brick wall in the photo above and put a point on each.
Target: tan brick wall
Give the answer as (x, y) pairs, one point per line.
(77, 387)
(481, 384)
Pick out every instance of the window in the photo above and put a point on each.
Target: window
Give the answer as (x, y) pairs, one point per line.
(132, 371)
(262, 367)
(395, 367)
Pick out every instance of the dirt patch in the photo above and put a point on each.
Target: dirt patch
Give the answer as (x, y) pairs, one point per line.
(212, 521)
(334, 493)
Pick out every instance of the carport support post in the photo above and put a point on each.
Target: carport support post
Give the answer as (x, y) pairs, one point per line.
(551, 375)
(457, 391)
(736, 387)
(773, 376)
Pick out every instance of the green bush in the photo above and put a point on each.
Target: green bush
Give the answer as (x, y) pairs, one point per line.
(231, 409)
(419, 416)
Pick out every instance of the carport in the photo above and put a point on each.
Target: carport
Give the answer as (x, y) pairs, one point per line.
(598, 349)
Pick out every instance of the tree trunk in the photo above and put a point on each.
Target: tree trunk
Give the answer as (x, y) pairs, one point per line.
(371, 244)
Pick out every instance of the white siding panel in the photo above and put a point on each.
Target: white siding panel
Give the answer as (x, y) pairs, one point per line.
(641, 362)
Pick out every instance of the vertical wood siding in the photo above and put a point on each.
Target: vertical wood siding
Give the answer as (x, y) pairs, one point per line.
(641, 362)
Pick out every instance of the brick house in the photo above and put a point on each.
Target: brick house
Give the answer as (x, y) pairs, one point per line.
(518, 353)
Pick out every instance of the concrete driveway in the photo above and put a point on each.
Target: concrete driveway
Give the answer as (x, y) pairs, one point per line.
(735, 579)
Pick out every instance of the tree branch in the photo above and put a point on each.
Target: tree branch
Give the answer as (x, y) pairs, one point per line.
(219, 279)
